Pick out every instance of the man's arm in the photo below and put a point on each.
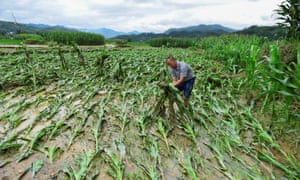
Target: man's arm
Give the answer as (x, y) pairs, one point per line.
(174, 80)
(183, 74)
(176, 83)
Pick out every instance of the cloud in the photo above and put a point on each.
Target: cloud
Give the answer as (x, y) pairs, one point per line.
(146, 15)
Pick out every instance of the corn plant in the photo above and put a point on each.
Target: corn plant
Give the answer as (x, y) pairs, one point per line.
(151, 171)
(152, 148)
(27, 54)
(121, 99)
(30, 65)
(79, 53)
(186, 163)
(58, 125)
(163, 132)
(33, 142)
(142, 120)
(2, 164)
(171, 94)
(190, 132)
(275, 72)
(117, 71)
(251, 65)
(51, 152)
(14, 120)
(75, 133)
(62, 58)
(97, 128)
(142, 123)
(10, 143)
(101, 60)
(83, 163)
(116, 164)
(37, 166)
(219, 156)
(268, 158)
(288, 13)
(124, 119)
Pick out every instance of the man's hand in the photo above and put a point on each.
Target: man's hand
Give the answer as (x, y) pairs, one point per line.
(176, 83)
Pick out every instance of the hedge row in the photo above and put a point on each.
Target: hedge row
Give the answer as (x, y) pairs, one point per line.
(171, 42)
(80, 38)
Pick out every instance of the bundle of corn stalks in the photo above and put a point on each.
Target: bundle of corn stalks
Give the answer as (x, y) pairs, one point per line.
(175, 104)
(61, 57)
(100, 61)
(79, 53)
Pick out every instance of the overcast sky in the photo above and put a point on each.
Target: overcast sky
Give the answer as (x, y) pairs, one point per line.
(141, 15)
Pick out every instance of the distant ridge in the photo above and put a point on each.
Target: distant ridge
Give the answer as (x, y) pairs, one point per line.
(200, 28)
(109, 33)
(8, 27)
(197, 31)
(270, 32)
(200, 31)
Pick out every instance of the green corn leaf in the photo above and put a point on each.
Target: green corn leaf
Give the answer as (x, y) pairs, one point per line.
(36, 166)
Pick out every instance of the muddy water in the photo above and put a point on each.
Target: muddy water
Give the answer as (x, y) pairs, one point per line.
(171, 169)
(49, 170)
(3, 128)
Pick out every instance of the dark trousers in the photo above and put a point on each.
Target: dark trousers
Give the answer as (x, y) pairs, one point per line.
(186, 87)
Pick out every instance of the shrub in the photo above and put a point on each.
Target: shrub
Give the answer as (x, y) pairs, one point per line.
(171, 42)
(30, 38)
(80, 38)
(289, 15)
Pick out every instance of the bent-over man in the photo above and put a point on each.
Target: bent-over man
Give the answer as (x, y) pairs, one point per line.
(183, 77)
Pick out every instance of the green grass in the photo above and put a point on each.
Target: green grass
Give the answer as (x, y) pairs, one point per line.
(138, 44)
(10, 42)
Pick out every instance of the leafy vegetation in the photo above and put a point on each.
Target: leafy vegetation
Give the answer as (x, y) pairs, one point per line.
(80, 38)
(110, 115)
(270, 32)
(289, 16)
(8, 27)
(9, 41)
(171, 42)
(30, 38)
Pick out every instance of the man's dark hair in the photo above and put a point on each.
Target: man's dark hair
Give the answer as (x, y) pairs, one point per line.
(172, 58)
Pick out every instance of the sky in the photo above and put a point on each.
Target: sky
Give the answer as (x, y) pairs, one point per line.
(140, 15)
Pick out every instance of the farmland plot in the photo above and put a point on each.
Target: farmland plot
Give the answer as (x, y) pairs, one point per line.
(107, 117)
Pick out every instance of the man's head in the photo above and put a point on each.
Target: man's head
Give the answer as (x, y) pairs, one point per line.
(171, 61)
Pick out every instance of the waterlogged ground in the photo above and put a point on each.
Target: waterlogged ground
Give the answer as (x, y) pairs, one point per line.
(91, 122)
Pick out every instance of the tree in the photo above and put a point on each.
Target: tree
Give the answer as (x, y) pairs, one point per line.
(289, 15)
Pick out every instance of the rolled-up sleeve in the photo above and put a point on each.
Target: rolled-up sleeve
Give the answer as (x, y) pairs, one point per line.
(172, 73)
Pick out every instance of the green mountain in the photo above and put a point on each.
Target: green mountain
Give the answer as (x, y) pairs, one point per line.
(200, 31)
(270, 32)
(185, 32)
(201, 28)
(7, 27)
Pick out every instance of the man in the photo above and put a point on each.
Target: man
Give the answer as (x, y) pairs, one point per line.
(183, 77)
